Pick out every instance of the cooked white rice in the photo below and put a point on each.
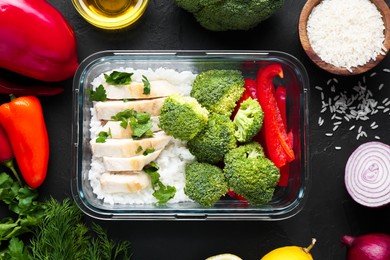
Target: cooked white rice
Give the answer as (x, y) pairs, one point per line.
(172, 159)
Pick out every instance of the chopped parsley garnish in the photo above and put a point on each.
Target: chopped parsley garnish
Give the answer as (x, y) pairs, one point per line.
(99, 94)
(118, 78)
(146, 85)
(140, 122)
(139, 149)
(102, 136)
(161, 192)
(149, 151)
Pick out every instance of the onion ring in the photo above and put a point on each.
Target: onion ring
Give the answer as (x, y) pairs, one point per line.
(367, 174)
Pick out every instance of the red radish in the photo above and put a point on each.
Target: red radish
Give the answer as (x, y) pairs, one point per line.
(367, 174)
(374, 246)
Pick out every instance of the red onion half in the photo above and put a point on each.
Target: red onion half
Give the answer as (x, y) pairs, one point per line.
(374, 246)
(367, 174)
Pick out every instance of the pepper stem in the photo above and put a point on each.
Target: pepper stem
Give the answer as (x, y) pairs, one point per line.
(307, 249)
(10, 165)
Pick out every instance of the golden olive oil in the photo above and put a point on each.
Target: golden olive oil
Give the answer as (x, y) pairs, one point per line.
(110, 8)
(111, 14)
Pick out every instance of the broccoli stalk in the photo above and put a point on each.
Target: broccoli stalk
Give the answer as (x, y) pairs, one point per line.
(250, 174)
(223, 15)
(248, 120)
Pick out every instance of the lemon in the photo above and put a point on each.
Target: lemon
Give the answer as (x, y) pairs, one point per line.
(226, 256)
(290, 253)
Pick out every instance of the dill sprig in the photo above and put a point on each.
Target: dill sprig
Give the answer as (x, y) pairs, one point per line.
(63, 235)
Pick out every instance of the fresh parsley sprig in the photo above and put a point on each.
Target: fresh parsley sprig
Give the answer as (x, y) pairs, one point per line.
(140, 122)
(118, 78)
(102, 136)
(99, 94)
(161, 192)
(147, 86)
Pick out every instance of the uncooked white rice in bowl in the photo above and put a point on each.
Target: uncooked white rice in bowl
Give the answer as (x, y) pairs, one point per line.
(347, 33)
(172, 159)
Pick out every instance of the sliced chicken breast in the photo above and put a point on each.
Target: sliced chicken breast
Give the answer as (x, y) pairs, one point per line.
(134, 163)
(129, 147)
(135, 90)
(105, 110)
(126, 182)
(118, 132)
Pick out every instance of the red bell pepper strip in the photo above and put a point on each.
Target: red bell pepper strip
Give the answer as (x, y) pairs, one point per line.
(234, 195)
(23, 121)
(36, 40)
(250, 91)
(278, 145)
(6, 154)
(11, 88)
(280, 97)
(281, 100)
(251, 87)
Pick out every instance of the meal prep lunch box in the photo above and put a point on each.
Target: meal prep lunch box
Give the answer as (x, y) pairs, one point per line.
(287, 200)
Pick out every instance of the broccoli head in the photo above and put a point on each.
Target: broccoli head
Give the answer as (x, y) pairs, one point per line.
(250, 174)
(205, 183)
(218, 90)
(224, 15)
(214, 141)
(182, 117)
(248, 120)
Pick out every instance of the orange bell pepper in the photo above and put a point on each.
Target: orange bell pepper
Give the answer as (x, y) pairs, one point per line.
(23, 121)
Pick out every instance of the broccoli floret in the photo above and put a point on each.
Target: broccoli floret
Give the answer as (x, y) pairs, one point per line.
(250, 174)
(218, 90)
(205, 183)
(215, 140)
(223, 15)
(248, 120)
(182, 117)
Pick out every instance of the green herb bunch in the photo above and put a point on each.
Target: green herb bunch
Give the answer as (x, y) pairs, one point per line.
(50, 229)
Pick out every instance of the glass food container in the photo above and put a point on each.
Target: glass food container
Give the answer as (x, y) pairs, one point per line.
(287, 200)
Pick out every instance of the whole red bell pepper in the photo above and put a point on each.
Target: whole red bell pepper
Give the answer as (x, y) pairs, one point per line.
(12, 88)
(278, 144)
(36, 40)
(23, 121)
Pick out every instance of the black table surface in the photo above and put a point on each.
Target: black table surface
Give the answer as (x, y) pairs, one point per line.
(329, 211)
